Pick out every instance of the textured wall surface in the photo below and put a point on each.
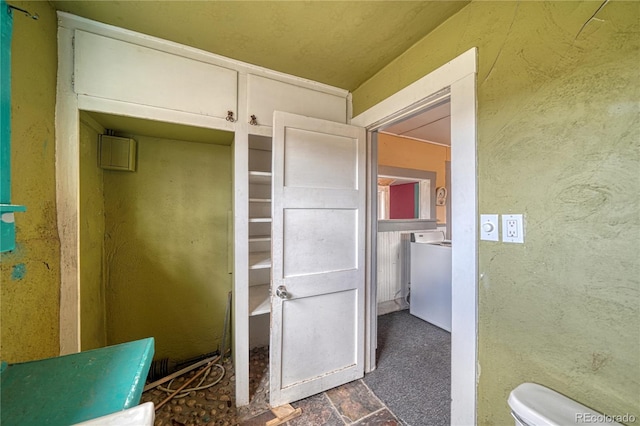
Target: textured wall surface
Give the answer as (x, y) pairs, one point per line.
(410, 154)
(30, 275)
(93, 333)
(558, 140)
(166, 247)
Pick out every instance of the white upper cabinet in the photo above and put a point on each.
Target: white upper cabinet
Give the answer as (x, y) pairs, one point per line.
(117, 70)
(266, 95)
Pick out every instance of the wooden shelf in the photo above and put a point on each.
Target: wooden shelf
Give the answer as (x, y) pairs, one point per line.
(260, 260)
(260, 143)
(260, 238)
(261, 130)
(259, 299)
(259, 211)
(259, 219)
(260, 177)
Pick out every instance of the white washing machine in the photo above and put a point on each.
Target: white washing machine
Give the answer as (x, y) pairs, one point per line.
(430, 278)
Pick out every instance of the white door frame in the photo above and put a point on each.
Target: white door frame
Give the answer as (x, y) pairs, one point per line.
(456, 80)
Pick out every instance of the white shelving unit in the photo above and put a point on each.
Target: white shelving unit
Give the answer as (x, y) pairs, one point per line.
(259, 225)
(260, 177)
(260, 238)
(260, 260)
(259, 300)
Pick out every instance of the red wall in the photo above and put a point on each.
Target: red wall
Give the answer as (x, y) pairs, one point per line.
(402, 200)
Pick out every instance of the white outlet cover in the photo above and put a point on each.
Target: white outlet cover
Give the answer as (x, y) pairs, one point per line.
(489, 227)
(513, 228)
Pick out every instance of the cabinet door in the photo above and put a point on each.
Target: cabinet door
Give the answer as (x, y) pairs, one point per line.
(121, 71)
(266, 96)
(318, 242)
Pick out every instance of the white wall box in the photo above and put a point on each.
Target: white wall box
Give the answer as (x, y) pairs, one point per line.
(117, 153)
(122, 71)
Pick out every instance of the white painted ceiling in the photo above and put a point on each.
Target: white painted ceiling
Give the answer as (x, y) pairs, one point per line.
(432, 125)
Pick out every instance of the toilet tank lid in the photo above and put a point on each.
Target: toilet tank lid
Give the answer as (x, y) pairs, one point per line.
(541, 406)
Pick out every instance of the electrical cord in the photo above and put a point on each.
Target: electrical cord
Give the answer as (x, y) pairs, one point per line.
(185, 392)
(199, 386)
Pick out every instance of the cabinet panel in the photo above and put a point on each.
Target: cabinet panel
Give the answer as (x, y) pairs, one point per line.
(113, 69)
(266, 96)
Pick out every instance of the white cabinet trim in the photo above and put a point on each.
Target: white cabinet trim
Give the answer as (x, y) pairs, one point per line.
(110, 106)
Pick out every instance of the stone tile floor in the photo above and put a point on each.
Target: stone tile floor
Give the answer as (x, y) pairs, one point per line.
(350, 404)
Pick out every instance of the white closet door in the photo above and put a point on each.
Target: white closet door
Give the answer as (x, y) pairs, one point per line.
(318, 242)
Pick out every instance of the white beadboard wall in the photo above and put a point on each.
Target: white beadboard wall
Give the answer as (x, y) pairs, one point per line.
(393, 264)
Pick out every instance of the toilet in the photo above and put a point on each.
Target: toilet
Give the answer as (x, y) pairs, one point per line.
(536, 405)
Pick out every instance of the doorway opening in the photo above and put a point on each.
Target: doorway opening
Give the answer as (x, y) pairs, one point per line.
(456, 81)
(412, 156)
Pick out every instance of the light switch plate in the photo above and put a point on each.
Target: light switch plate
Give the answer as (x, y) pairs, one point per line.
(489, 227)
(513, 228)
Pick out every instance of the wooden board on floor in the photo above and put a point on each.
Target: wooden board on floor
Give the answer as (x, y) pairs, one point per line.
(283, 414)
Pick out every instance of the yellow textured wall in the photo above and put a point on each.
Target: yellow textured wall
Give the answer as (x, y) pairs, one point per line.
(559, 141)
(30, 276)
(166, 247)
(93, 333)
(411, 154)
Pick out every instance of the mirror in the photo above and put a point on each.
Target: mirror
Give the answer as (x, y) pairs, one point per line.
(406, 194)
(402, 198)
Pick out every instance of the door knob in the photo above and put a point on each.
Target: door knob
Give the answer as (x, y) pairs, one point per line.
(282, 292)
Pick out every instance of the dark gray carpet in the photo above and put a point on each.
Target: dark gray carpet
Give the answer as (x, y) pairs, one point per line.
(413, 374)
